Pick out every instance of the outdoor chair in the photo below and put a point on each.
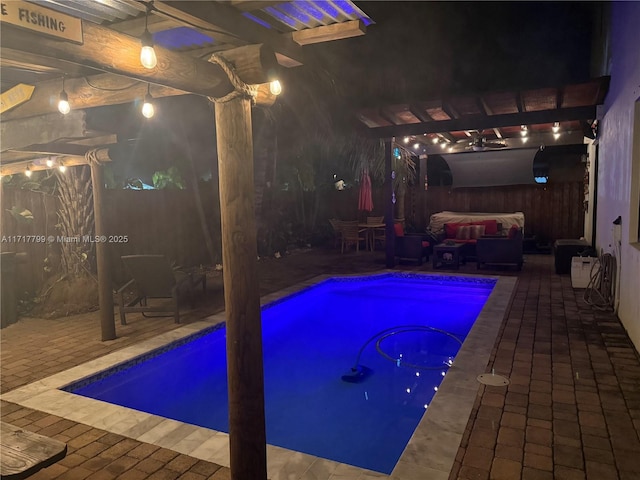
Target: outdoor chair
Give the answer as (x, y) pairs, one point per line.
(378, 234)
(501, 250)
(153, 280)
(337, 232)
(352, 234)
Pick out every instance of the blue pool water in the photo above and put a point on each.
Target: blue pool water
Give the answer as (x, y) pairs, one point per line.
(310, 340)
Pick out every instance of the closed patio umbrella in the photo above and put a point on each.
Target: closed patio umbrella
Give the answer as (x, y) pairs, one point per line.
(365, 200)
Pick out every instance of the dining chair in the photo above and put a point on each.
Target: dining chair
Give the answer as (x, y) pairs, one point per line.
(352, 234)
(377, 234)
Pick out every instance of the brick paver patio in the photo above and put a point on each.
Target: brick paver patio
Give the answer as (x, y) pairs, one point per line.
(571, 411)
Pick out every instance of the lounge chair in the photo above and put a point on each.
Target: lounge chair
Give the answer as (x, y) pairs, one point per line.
(152, 278)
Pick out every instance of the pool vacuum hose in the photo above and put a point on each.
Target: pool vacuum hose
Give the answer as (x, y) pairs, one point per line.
(358, 373)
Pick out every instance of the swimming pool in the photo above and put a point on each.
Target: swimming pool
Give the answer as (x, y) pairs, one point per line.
(430, 452)
(402, 330)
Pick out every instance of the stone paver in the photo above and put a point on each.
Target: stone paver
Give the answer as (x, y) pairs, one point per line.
(571, 412)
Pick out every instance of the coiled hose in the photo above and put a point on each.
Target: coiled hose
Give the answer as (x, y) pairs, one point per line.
(600, 292)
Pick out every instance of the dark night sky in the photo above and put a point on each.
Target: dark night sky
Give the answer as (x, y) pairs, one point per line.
(428, 49)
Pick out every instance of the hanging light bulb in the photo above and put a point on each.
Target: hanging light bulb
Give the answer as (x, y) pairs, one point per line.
(524, 131)
(275, 87)
(49, 162)
(147, 53)
(28, 172)
(63, 101)
(556, 127)
(62, 168)
(147, 106)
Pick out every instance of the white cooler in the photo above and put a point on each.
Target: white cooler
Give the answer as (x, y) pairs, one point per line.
(581, 270)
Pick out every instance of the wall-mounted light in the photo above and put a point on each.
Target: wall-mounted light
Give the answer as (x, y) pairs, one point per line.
(63, 101)
(148, 57)
(147, 106)
(556, 127)
(275, 87)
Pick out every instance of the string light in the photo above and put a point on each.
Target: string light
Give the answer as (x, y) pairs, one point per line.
(524, 131)
(147, 106)
(63, 101)
(28, 172)
(49, 162)
(556, 127)
(147, 53)
(275, 87)
(62, 168)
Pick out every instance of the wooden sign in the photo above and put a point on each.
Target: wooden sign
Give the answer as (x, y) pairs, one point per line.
(41, 20)
(15, 96)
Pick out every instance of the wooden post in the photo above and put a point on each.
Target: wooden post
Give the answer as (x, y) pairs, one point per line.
(388, 204)
(247, 431)
(105, 289)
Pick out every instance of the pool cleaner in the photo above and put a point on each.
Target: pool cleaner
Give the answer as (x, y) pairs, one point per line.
(359, 373)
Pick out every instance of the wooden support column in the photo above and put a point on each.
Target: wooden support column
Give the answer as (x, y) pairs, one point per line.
(388, 204)
(105, 289)
(247, 432)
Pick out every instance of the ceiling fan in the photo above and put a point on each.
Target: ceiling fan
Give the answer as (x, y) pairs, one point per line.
(478, 143)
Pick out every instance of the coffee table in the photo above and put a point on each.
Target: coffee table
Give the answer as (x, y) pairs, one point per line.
(448, 255)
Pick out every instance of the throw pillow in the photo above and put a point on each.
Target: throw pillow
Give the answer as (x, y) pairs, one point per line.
(477, 231)
(399, 230)
(463, 232)
(513, 231)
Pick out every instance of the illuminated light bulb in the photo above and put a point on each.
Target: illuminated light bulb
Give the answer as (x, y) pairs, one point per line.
(556, 127)
(434, 140)
(443, 373)
(147, 106)
(63, 103)
(49, 163)
(443, 145)
(451, 149)
(524, 139)
(426, 406)
(147, 109)
(524, 131)
(416, 145)
(28, 172)
(62, 168)
(406, 139)
(275, 87)
(556, 136)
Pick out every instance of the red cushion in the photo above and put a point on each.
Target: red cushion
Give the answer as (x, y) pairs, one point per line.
(425, 244)
(513, 231)
(490, 226)
(397, 227)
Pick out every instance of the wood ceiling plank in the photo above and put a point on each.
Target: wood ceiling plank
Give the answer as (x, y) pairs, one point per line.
(327, 33)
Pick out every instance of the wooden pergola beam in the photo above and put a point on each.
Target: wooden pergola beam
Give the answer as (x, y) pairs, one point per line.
(87, 92)
(481, 122)
(114, 52)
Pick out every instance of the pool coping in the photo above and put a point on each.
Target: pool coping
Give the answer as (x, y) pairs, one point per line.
(430, 453)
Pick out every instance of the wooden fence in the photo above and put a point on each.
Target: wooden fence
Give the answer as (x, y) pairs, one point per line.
(166, 221)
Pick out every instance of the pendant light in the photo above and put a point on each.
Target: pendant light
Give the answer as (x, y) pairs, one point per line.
(63, 101)
(147, 53)
(147, 106)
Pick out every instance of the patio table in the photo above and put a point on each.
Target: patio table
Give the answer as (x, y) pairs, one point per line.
(370, 230)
